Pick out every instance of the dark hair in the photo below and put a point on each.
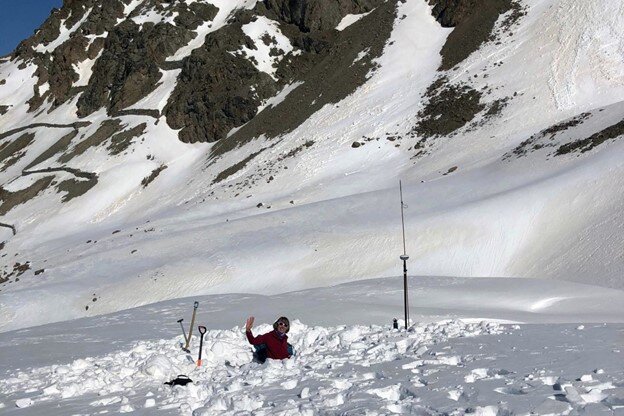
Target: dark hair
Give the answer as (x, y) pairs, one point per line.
(282, 319)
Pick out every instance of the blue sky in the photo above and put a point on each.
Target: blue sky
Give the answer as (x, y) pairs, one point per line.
(19, 18)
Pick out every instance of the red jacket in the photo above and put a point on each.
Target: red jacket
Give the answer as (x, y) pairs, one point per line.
(277, 347)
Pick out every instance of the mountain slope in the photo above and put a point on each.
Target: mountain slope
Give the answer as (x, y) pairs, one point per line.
(198, 147)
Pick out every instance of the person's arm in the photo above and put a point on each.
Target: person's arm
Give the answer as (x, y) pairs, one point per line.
(252, 340)
(260, 339)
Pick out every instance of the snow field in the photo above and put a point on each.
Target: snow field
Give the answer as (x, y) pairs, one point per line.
(470, 363)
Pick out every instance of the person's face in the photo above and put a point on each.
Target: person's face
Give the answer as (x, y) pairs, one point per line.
(282, 327)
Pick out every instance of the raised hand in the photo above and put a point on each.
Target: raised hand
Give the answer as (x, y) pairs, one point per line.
(249, 323)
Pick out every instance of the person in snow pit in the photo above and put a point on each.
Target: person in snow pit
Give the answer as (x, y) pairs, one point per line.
(273, 344)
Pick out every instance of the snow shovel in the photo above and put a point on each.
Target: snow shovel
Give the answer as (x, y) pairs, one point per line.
(202, 331)
(188, 340)
(183, 330)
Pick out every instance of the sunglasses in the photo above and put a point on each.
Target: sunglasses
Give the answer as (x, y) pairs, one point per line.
(282, 324)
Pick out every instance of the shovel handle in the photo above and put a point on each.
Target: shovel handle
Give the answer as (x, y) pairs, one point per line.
(202, 331)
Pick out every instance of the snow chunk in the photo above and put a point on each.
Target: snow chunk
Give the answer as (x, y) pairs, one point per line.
(22, 403)
(392, 393)
(320, 363)
(486, 411)
(159, 367)
(289, 385)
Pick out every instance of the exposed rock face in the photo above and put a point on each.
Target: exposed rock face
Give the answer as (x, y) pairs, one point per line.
(57, 66)
(73, 188)
(57, 70)
(547, 137)
(131, 54)
(12, 151)
(106, 130)
(328, 76)
(450, 107)
(218, 91)
(125, 72)
(192, 15)
(584, 145)
(10, 200)
(473, 21)
(319, 15)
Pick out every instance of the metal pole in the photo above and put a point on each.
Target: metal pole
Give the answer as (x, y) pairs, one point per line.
(402, 220)
(405, 291)
(404, 257)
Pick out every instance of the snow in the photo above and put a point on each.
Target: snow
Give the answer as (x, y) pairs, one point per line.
(280, 97)
(353, 362)
(590, 58)
(260, 56)
(84, 70)
(15, 92)
(226, 8)
(129, 8)
(527, 217)
(64, 35)
(152, 16)
(348, 20)
(157, 100)
(44, 88)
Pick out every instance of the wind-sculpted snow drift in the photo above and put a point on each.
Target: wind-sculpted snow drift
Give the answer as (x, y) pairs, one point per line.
(228, 146)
